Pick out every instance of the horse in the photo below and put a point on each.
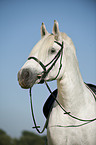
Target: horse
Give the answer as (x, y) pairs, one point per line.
(54, 58)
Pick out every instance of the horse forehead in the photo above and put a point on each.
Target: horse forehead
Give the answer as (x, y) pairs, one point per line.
(43, 45)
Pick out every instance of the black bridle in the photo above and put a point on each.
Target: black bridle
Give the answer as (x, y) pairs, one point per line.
(52, 62)
(42, 77)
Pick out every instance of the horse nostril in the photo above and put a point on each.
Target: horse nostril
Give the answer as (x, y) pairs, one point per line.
(26, 73)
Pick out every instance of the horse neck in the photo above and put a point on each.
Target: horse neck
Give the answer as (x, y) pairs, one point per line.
(71, 86)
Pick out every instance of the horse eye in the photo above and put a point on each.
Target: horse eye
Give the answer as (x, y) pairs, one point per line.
(53, 50)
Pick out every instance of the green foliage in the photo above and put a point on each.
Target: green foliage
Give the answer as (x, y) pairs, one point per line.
(4, 138)
(27, 138)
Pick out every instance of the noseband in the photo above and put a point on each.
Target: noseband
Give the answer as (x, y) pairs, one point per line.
(52, 62)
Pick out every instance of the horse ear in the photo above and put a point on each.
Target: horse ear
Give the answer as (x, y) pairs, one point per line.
(43, 30)
(56, 30)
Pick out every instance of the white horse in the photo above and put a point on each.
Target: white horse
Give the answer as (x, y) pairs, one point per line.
(73, 94)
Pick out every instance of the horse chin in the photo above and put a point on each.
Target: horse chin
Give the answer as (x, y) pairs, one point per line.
(31, 83)
(27, 85)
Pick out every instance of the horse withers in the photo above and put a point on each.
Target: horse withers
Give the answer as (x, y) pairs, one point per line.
(54, 58)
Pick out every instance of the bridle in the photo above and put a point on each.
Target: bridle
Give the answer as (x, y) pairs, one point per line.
(52, 62)
(42, 77)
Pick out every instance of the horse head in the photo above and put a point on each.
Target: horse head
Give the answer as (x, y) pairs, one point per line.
(47, 59)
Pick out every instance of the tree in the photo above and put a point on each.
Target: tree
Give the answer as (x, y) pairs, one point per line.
(4, 138)
(27, 138)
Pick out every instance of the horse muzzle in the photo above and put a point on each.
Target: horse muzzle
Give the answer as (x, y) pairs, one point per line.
(27, 78)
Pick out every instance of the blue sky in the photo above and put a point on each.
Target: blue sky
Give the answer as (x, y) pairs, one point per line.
(20, 22)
